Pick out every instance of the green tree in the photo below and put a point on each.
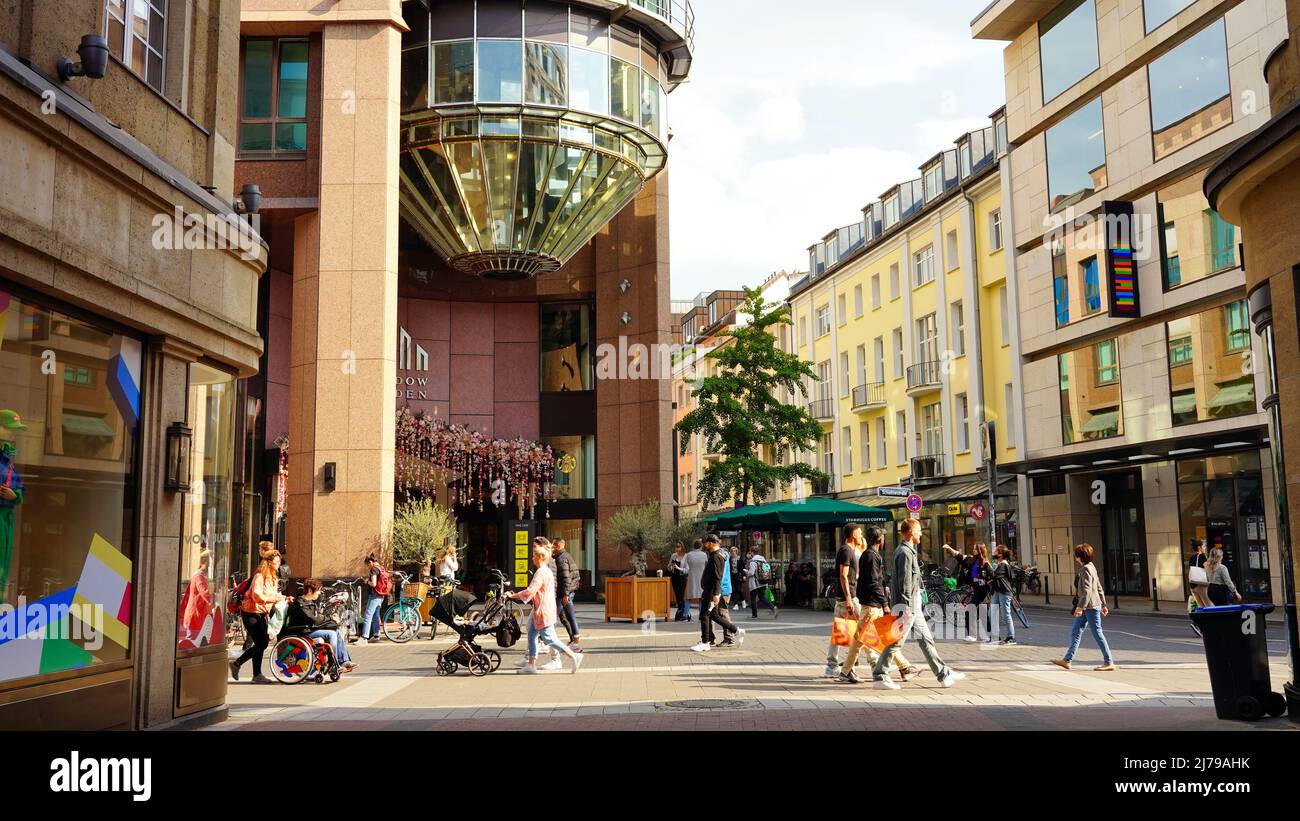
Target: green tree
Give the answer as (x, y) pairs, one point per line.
(739, 412)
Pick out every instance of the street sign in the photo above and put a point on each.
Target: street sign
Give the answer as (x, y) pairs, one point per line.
(914, 503)
(978, 511)
(954, 510)
(895, 492)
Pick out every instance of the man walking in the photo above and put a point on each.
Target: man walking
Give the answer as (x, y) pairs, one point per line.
(695, 561)
(907, 602)
(759, 574)
(567, 581)
(872, 601)
(736, 594)
(711, 608)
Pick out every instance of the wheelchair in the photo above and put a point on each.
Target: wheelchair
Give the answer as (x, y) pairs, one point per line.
(296, 658)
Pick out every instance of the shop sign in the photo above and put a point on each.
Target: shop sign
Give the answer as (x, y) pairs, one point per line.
(954, 510)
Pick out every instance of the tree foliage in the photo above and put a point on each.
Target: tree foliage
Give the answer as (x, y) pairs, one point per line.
(738, 411)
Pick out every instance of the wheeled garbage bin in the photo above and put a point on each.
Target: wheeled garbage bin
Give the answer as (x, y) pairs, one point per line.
(1236, 649)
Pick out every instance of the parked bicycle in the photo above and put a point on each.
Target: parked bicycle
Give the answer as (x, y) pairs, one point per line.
(343, 604)
(401, 620)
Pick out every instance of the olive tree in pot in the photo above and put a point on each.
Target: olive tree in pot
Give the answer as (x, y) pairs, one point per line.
(639, 528)
(422, 533)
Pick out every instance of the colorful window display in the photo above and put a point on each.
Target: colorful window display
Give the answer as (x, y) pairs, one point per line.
(69, 417)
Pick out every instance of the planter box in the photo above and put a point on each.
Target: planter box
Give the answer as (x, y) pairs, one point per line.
(635, 599)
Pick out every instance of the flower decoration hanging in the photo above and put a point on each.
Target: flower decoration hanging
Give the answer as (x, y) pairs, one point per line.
(431, 452)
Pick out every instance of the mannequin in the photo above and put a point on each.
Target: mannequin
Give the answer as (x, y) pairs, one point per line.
(11, 493)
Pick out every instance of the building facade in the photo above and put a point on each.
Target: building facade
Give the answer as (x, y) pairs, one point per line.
(1138, 364)
(128, 317)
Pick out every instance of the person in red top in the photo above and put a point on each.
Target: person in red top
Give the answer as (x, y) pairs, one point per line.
(262, 596)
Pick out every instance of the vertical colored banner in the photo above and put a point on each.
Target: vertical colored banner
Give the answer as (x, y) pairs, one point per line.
(1121, 266)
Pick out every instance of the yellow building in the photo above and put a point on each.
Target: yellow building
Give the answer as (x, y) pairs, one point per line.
(905, 318)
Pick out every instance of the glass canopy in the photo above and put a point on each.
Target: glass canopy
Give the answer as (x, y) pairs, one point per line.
(525, 129)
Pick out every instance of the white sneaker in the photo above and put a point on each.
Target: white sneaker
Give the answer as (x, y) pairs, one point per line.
(702, 647)
(553, 664)
(886, 683)
(952, 678)
(528, 670)
(522, 663)
(577, 661)
(740, 636)
(831, 671)
(971, 638)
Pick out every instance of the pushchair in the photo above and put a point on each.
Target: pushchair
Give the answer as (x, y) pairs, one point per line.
(452, 607)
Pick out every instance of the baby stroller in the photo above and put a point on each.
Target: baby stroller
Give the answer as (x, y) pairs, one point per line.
(451, 608)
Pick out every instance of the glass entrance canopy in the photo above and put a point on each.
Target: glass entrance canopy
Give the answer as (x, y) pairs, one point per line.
(525, 129)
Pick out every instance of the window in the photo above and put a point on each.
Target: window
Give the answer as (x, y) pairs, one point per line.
(803, 330)
(589, 80)
(933, 183)
(894, 287)
(1222, 237)
(932, 430)
(862, 364)
(1157, 12)
(879, 350)
(857, 301)
(846, 448)
(953, 260)
(864, 440)
(923, 266)
(625, 90)
(995, 230)
(453, 72)
(500, 71)
(846, 386)
(274, 110)
(963, 423)
(842, 304)
(713, 312)
(1107, 362)
(1076, 157)
(77, 518)
(566, 348)
(1067, 46)
(882, 449)
(825, 390)
(580, 482)
(891, 211)
(898, 353)
(823, 320)
(958, 313)
(1089, 408)
(1189, 95)
(650, 101)
(900, 436)
(1005, 315)
(927, 339)
(1060, 284)
(828, 454)
(1009, 413)
(136, 31)
(875, 292)
(1091, 287)
(1206, 355)
(1173, 272)
(546, 73)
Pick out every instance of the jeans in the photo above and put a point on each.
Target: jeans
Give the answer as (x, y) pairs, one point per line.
(336, 641)
(255, 628)
(756, 595)
(1002, 601)
(548, 637)
(1092, 618)
(679, 593)
(711, 613)
(924, 639)
(371, 620)
(568, 617)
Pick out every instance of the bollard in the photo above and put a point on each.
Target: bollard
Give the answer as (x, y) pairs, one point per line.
(1115, 598)
(1047, 589)
(1155, 595)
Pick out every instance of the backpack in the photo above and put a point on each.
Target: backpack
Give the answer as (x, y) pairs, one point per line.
(384, 584)
(762, 570)
(235, 603)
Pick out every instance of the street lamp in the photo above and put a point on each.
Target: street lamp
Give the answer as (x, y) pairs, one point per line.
(176, 477)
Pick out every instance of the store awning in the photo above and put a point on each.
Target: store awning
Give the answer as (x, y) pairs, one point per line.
(1102, 422)
(815, 511)
(1231, 396)
(1184, 403)
(86, 425)
(955, 490)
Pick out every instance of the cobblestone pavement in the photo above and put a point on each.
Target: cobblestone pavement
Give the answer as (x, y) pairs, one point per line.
(646, 677)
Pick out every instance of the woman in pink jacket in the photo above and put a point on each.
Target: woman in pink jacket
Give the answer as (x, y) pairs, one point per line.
(541, 593)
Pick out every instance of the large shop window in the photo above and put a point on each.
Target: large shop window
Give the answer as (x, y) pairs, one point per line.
(69, 418)
(1210, 374)
(207, 527)
(579, 537)
(1190, 95)
(575, 466)
(1076, 157)
(566, 348)
(1091, 401)
(1067, 45)
(1197, 241)
(1157, 12)
(1221, 499)
(273, 113)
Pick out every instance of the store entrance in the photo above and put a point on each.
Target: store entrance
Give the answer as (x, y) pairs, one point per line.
(1123, 565)
(1221, 500)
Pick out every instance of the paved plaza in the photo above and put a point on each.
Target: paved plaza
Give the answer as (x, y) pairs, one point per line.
(646, 677)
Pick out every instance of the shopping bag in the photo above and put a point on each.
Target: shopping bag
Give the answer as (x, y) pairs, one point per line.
(276, 618)
(842, 631)
(769, 595)
(883, 631)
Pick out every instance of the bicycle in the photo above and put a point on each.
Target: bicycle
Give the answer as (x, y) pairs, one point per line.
(342, 600)
(234, 622)
(401, 620)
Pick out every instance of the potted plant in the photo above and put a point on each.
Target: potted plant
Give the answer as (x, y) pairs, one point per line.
(422, 532)
(639, 528)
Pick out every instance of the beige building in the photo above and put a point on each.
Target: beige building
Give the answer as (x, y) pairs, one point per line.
(1139, 367)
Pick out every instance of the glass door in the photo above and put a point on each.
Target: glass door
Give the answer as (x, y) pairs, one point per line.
(1123, 567)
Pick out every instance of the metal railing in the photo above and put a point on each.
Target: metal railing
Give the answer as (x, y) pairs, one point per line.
(678, 13)
(870, 393)
(822, 408)
(929, 466)
(925, 375)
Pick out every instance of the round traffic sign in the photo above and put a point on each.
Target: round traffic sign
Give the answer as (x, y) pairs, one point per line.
(978, 511)
(914, 503)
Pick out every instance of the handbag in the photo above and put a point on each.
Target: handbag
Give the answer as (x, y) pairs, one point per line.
(842, 630)
(1196, 575)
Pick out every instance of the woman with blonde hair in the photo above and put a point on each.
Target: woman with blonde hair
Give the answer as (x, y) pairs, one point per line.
(541, 593)
(1221, 590)
(262, 597)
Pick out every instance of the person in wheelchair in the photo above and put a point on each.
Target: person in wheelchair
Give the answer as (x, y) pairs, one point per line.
(307, 617)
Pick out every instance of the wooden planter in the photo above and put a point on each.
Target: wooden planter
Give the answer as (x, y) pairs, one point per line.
(635, 599)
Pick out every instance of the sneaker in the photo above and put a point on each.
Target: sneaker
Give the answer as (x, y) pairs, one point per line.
(349, 667)
(1062, 663)
(727, 643)
(527, 670)
(576, 645)
(702, 647)
(909, 673)
(1105, 668)
(1009, 642)
(971, 638)
(522, 663)
(831, 671)
(362, 640)
(885, 683)
(261, 679)
(577, 661)
(553, 664)
(776, 613)
(952, 678)
(956, 675)
(234, 670)
(849, 677)
(740, 636)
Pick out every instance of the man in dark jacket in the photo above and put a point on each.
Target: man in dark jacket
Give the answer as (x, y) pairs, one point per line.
(711, 609)
(307, 613)
(567, 580)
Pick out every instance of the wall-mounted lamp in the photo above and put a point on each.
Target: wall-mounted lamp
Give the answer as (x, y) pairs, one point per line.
(250, 199)
(625, 286)
(176, 477)
(93, 52)
(330, 475)
(626, 318)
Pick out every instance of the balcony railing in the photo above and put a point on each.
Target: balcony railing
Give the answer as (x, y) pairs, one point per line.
(870, 394)
(677, 12)
(925, 375)
(821, 409)
(927, 467)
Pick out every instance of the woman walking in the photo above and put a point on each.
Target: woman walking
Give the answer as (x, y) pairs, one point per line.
(1222, 591)
(262, 597)
(1089, 609)
(1001, 587)
(541, 593)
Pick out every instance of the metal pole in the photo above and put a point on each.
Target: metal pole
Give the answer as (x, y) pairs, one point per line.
(1047, 588)
(1155, 595)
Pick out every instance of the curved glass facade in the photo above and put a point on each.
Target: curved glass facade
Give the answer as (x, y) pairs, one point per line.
(525, 129)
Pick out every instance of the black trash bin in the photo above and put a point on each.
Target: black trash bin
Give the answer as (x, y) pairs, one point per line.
(1238, 661)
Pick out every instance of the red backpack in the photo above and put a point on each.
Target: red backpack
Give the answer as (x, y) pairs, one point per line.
(383, 584)
(235, 601)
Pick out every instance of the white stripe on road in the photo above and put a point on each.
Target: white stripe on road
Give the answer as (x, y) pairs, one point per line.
(367, 692)
(1088, 684)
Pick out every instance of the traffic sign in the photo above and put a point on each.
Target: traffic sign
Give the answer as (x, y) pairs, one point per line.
(898, 492)
(978, 511)
(914, 503)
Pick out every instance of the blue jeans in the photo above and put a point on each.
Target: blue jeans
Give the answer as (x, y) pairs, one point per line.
(548, 637)
(1003, 603)
(568, 617)
(336, 641)
(371, 623)
(1092, 618)
(924, 639)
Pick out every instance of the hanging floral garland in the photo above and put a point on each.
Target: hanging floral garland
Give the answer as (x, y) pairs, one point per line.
(476, 468)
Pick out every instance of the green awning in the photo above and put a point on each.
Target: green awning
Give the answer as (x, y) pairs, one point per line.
(1102, 422)
(86, 425)
(1231, 396)
(814, 511)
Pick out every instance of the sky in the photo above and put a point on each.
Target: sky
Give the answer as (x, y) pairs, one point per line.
(793, 120)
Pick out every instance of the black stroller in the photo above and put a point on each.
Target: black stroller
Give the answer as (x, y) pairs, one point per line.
(452, 609)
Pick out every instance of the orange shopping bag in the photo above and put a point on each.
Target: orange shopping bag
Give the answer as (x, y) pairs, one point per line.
(842, 631)
(884, 631)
